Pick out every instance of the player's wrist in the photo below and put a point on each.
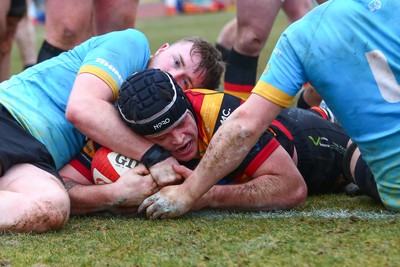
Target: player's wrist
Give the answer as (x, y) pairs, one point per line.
(154, 155)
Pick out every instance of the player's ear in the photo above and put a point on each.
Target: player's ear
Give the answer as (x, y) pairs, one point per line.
(162, 48)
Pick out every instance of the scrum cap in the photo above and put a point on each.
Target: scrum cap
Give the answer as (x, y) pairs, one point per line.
(151, 101)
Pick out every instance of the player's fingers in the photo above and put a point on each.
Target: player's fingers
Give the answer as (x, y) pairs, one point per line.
(182, 170)
(158, 214)
(141, 170)
(151, 211)
(147, 202)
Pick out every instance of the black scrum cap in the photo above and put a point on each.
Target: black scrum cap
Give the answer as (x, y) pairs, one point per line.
(151, 101)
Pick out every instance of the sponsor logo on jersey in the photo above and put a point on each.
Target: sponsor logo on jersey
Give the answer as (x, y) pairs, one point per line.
(109, 66)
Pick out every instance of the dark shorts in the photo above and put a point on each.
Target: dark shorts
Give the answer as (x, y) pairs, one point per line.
(320, 147)
(19, 146)
(18, 8)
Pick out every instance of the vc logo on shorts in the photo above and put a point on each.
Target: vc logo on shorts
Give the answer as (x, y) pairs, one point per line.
(320, 141)
(324, 142)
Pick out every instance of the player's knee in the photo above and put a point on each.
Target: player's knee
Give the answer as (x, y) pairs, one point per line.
(296, 198)
(70, 37)
(300, 196)
(249, 43)
(61, 209)
(294, 14)
(50, 212)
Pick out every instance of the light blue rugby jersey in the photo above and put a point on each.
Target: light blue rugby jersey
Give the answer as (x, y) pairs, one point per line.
(350, 52)
(37, 97)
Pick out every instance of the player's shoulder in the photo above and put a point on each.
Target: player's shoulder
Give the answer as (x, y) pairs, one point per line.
(212, 98)
(121, 37)
(209, 93)
(128, 34)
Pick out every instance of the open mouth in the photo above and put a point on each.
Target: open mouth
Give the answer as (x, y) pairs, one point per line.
(183, 149)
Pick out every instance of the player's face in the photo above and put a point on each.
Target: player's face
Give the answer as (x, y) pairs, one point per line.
(176, 60)
(180, 140)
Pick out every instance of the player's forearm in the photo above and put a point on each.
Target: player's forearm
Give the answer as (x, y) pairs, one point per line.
(267, 195)
(90, 110)
(87, 199)
(111, 132)
(227, 149)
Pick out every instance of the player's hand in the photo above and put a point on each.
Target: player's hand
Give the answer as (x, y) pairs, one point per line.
(134, 186)
(169, 202)
(164, 174)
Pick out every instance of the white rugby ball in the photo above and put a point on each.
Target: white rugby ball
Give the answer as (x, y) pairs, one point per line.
(108, 166)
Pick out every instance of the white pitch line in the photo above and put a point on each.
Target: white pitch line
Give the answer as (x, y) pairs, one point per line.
(336, 214)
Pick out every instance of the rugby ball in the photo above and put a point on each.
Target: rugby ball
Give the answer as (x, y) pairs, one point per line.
(108, 166)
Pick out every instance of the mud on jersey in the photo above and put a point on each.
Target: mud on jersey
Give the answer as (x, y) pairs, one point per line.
(320, 144)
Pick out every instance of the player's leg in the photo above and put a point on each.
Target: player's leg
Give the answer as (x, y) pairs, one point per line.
(308, 97)
(321, 1)
(226, 38)
(16, 9)
(296, 9)
(26, 40)
(255, 19)
(4, 8)
(68, 23)
(114, 15)
(32, 200)
(320, 147)
(357, 170)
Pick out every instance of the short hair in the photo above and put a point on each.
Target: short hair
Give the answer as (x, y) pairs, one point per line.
(211, 63)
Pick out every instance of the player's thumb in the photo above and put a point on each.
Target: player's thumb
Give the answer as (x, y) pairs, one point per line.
(182, 170)
(141, 170)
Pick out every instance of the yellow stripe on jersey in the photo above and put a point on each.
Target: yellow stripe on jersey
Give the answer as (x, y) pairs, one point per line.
(209, 110)
(89, 149)
(241, 95)
(103, 76)
(272, 93)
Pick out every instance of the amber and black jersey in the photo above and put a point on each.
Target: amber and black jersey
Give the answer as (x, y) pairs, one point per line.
(319, 143)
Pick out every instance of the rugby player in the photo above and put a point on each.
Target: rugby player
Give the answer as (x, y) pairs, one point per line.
(301, 152)
(48, 111)
(347, 49)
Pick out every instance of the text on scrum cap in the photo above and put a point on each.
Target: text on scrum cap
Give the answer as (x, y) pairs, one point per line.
(151, 101)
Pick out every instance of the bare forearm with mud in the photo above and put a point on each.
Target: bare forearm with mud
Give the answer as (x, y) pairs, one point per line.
(268, 193)
(226, 151)
(81, 204)
(249, 196)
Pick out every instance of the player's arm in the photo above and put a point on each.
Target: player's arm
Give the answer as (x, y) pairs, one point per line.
(275, 185)
(123, 196)
(91, 111)
(228, 147)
